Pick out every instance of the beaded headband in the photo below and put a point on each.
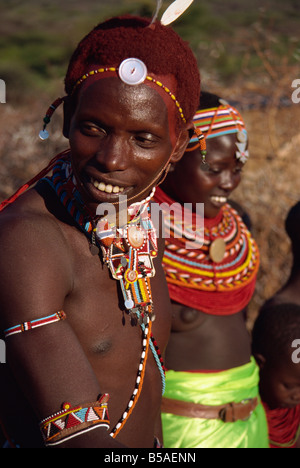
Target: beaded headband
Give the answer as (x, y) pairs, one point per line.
(217, 121)
(133, 72)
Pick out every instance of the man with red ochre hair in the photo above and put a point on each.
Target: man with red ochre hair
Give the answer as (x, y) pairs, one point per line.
(79, 290)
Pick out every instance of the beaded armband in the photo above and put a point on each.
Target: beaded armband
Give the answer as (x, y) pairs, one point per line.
(26, 326)
(72, 422)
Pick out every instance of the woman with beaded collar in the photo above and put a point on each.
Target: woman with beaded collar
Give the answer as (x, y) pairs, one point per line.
(212, 381)
(73, 334)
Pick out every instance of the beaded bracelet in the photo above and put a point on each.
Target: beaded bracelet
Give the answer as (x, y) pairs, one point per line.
(72, 422)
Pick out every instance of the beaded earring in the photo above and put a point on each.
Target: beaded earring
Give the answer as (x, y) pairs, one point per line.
(44, 134)
(202, 144)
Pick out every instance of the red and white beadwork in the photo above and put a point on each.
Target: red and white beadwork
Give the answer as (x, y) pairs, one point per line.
(26, 326)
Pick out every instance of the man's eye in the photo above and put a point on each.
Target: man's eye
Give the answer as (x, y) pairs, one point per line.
(146, 140)
(92, 129)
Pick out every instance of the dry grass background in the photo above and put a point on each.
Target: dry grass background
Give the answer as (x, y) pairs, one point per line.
(270, 187)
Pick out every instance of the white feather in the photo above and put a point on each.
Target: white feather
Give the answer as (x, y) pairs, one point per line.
(158, 7)
(175, 10)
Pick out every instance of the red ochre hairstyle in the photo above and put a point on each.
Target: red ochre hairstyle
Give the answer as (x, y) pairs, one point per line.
(158, 46)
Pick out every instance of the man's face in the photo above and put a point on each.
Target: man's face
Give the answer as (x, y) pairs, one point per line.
(120, 141)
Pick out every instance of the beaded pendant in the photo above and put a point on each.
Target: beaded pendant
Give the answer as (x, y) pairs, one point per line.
(129, 253)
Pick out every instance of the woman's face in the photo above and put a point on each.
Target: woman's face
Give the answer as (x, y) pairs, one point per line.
(211, 184)
(120, 141)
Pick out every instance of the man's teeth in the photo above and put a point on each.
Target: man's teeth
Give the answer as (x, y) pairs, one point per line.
(219, 199)
(108, 188)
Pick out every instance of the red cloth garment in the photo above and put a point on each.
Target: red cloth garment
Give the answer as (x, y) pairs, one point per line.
(284, 426)
(193, 276)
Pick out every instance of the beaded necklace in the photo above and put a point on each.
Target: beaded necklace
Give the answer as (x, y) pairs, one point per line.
(128, 253)
(226, 263)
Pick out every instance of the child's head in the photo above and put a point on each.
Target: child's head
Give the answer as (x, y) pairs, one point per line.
(276, 347)
(292, 227)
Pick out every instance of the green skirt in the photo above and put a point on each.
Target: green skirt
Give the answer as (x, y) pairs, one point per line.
(233, 385)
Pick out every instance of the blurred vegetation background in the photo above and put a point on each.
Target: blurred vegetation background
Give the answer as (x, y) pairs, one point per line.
(228, 37)
(248, 52)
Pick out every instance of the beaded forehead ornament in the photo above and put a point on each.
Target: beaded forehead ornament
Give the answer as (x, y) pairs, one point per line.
(222, 120)
(133, 72)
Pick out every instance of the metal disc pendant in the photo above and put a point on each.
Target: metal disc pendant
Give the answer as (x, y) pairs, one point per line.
(217, 250)
(129, 304)
(44, 134)
(135, 237)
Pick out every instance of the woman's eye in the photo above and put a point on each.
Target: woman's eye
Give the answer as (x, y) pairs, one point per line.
(238, 170)
(214, 170)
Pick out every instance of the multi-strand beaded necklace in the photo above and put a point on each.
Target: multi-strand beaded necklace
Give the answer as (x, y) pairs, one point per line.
(128, 252)
(226, 264)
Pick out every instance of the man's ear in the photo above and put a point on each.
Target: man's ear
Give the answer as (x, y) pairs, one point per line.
(69, 108)
(182, 143)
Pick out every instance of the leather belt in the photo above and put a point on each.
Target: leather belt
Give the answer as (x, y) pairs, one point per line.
(230, 412)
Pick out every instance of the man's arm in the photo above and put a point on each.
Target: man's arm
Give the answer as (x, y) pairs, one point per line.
(48, 362)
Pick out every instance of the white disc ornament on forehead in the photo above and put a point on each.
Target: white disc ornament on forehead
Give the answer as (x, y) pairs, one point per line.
(133, 71)
(175, 10)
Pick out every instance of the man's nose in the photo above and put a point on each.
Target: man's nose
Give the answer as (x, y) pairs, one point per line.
(113, 154)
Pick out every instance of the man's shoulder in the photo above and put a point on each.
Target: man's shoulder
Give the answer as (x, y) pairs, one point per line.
(27, 213)
(35, 262)
(28, 228)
